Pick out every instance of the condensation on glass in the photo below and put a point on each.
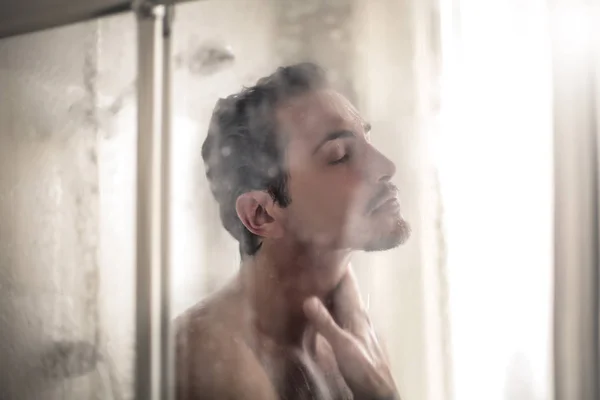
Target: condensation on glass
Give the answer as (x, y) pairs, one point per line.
(67, 176)
(67, 158)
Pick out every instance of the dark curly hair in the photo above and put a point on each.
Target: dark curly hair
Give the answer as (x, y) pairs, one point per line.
(244, 149)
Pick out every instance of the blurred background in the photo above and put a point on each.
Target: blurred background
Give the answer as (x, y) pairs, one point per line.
(489, 109)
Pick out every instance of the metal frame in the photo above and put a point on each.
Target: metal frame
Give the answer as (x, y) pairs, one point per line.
(154, 358)
(19, 17)
(24, 16)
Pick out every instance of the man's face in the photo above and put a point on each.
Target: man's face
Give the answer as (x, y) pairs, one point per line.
(339, 184)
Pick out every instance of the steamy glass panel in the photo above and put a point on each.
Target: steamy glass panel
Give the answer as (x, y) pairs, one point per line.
(67, 156)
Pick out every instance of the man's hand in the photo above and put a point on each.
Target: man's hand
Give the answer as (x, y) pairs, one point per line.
(359, 356)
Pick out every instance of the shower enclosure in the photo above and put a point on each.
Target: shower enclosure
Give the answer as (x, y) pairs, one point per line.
(108, 229)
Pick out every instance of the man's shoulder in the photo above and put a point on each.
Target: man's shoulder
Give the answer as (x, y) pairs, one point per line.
(209, 329)
(214, 319)
(213, 358)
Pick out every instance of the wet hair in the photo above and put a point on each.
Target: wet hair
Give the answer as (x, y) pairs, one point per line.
(244, 149)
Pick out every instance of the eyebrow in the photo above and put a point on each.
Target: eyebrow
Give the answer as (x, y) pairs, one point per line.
(333, 136)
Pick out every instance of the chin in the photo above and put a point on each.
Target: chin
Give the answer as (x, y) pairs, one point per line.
(389, 238)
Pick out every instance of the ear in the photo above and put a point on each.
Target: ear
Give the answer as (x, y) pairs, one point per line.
(258, 212)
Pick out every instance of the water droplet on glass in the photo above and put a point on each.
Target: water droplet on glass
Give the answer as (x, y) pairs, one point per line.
(226, 151)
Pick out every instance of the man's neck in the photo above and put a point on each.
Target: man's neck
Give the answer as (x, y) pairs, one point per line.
(278, 279)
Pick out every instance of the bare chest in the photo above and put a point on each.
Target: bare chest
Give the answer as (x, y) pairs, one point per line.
(299, 376)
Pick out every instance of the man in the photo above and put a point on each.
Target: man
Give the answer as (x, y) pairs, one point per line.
(300, 186)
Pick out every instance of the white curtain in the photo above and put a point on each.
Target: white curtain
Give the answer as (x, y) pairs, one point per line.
(496, 165)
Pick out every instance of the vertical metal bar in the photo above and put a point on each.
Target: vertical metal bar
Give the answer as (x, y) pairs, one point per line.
(596, 76)
(148, 255)
(577, 203)
(153, 366)
(167, 344)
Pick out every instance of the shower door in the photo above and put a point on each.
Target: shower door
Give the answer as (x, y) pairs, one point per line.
(67, 181)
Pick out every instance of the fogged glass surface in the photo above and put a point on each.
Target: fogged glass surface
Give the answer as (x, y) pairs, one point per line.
(67, 134)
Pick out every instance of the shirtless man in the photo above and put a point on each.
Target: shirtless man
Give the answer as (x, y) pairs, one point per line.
(300, 186)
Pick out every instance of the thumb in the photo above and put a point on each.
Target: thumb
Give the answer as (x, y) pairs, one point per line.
(319, 316)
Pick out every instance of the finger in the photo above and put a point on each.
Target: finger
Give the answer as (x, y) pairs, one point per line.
(323, 322)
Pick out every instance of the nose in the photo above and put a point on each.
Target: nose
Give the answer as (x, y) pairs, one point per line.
(381, 168)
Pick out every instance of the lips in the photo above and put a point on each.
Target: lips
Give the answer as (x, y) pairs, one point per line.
(387, 196)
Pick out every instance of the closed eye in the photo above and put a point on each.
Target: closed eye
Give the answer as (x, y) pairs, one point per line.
(345, 158)
(343, 134)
